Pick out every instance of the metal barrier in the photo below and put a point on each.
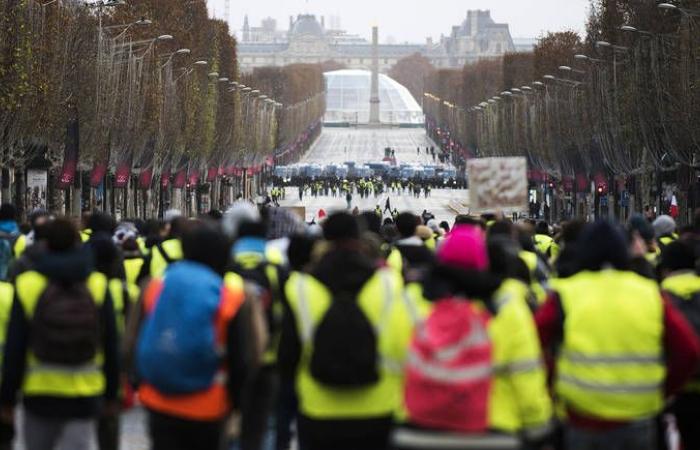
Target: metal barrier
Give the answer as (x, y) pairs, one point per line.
(412, 439)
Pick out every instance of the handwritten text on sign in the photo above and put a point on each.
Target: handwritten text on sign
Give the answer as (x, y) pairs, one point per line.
(497, 184)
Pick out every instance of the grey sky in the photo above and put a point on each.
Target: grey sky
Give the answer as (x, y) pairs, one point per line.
(414, 20)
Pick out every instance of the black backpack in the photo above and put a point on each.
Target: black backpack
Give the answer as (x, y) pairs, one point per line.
(65, 326)
(690, 308)
(345, 346)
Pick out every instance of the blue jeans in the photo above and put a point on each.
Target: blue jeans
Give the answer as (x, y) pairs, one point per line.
(639, 435)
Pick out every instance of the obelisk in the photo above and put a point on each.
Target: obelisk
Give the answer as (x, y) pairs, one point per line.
(374, 93)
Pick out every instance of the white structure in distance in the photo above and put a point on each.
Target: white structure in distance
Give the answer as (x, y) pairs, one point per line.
(348, 94)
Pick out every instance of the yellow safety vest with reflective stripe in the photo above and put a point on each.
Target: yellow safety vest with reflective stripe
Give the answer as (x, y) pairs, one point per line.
(249, 261)
(547, 246)
(50, 379)
(20, 245)
(122, 292)
(666, 240)
(7, 293)
(685, 287)
(234, 281)
(85, 235)
(519, 400)
(381, 301)
(132, 269)
(141, 242)
(395, 260)
(173, 247)
(274, 255)
(530, 260)
(610, 364)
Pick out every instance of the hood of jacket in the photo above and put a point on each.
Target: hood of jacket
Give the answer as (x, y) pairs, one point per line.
(445, 281)
(344, 270)
(72, 266)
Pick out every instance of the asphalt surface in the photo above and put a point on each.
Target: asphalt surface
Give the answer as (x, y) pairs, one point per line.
(338, 145)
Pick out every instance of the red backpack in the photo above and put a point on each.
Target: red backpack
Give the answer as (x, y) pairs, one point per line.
(450, 369)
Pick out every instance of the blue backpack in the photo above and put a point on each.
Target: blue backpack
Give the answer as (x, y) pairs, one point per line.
(177, 350)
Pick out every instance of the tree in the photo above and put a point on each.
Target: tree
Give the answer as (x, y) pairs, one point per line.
(554, 50)
(411, 72)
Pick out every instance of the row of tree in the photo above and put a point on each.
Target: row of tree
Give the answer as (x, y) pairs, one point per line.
(620, 106)
(112, 98)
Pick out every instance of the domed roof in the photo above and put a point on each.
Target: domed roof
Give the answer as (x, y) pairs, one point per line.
(306, 24)
(348, 98)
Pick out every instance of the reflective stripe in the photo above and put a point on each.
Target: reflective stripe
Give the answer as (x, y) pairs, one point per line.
(476, 337)
(536, 433)
(392, 365)
(406, 438)
(619, 388)
(307, 328)
(411, 307)
(68, 370)
(519, 366)
(388, 297)
(450, 375)
(579, 358)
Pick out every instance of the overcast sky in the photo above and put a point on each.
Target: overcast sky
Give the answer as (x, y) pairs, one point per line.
(414, 20)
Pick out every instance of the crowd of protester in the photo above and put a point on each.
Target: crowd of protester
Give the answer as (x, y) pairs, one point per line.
(250, 329)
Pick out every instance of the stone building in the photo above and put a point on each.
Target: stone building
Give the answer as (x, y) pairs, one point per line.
(309, 41)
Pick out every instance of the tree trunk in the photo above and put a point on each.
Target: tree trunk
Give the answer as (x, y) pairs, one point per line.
(20, 194)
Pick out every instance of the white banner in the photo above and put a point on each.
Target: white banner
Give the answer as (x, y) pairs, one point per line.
(37, 186)
(497, 184)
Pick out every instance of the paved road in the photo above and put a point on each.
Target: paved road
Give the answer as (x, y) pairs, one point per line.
(133, 431)
(337, 145)
(438, 203)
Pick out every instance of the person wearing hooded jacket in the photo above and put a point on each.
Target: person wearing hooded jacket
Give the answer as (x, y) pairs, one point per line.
(170, 250)
(519, 406)
(249, 260)
(61, 403)
(330, 416)
(416, 256)
(665, 230)
(621, 348)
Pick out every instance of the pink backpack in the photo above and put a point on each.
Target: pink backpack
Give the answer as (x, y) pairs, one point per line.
(450, 369)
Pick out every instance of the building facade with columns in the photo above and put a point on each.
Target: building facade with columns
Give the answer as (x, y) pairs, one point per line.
(309, 41)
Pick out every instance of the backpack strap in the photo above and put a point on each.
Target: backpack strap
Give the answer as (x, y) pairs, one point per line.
(307, 328)
(163, 253)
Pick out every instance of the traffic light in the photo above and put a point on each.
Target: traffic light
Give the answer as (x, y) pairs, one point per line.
(602, 188)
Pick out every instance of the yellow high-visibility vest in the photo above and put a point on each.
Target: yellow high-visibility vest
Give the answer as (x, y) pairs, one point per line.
(54, 380)
(173, 247)
(7, 292)
(611, 361)
(519, 401)
(381, 301)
